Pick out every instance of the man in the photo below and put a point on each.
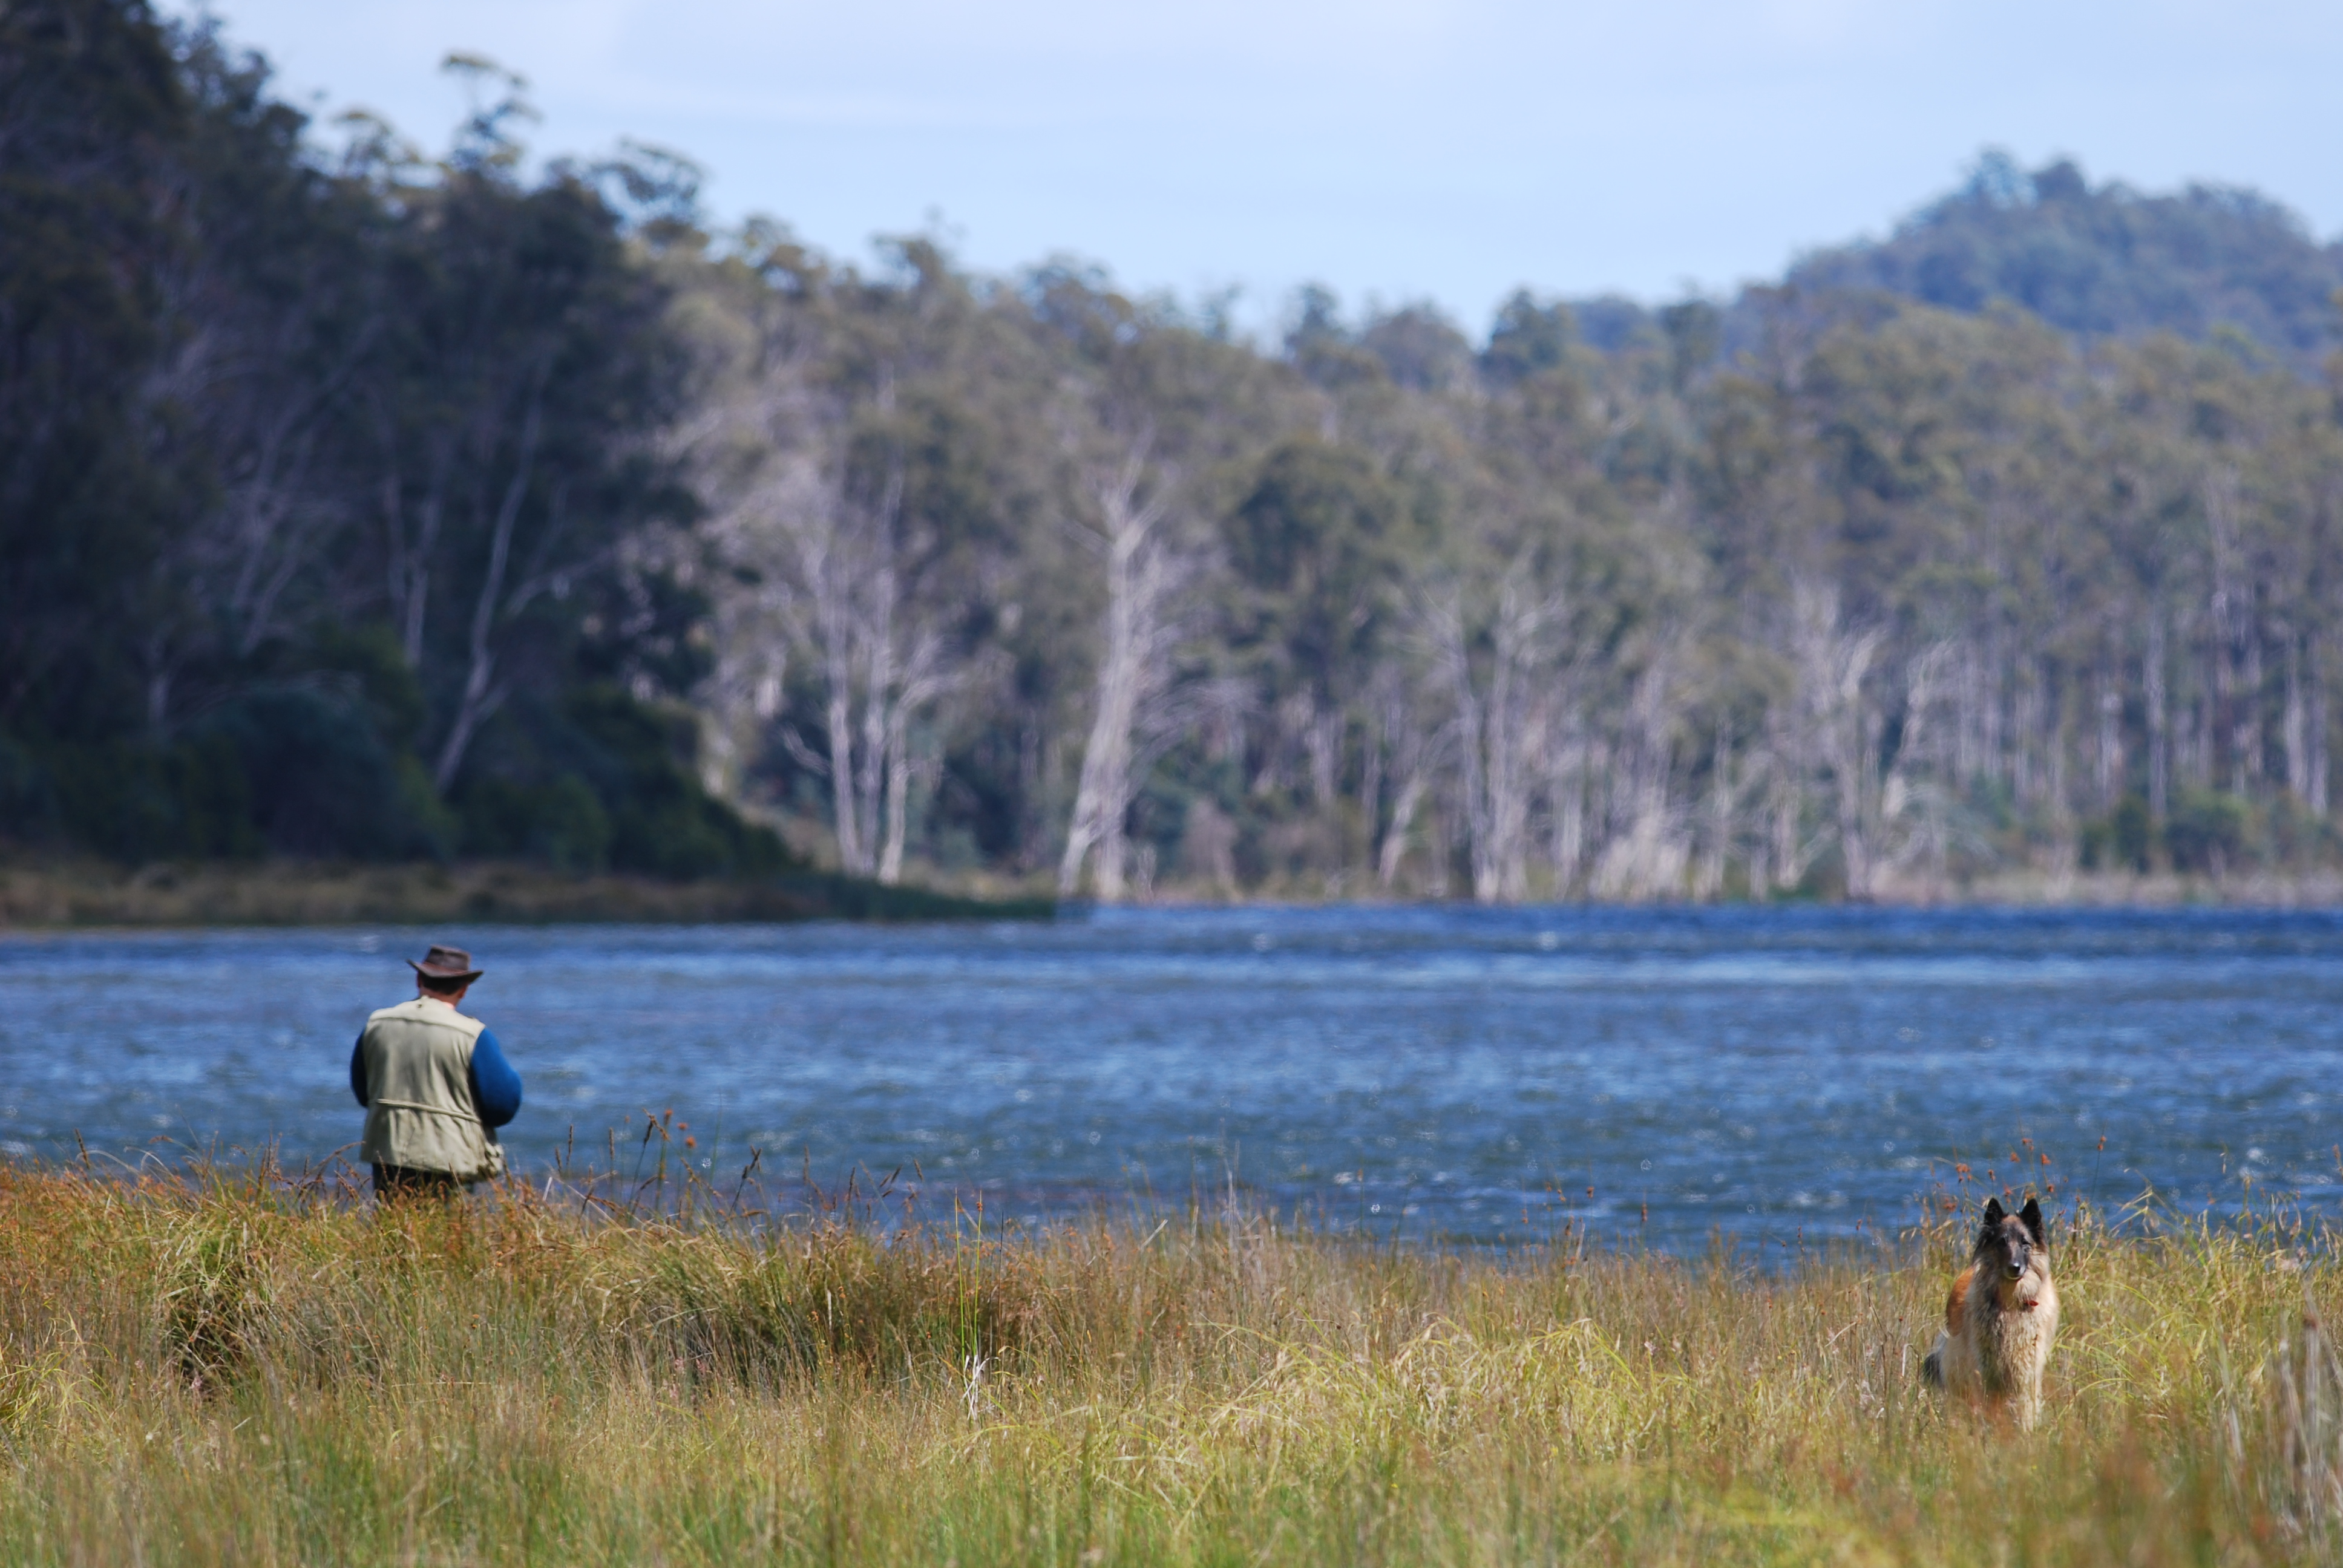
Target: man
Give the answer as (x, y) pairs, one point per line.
(435, 1084)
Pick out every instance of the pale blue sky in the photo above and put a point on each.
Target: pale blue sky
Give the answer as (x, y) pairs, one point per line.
(1395, 149)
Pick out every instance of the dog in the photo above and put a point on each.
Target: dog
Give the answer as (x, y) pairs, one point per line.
(2001, 1317)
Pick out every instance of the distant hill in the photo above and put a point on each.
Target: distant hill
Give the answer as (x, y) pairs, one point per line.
(2099, 262)
(2105, 260)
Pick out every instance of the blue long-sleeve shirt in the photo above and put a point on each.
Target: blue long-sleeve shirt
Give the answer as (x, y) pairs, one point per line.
(496, 1087)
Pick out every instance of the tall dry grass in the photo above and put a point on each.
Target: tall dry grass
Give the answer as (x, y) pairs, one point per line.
(249, 1370)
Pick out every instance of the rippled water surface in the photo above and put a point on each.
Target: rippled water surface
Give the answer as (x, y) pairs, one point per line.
(1465, 1072)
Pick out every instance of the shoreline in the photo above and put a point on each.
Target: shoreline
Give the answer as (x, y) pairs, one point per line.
(82, 895)
(67, 895)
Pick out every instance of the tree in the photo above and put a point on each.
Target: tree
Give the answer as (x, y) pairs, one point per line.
(1500, 678)
(1316, 548)
(510, 407)
(1135, 710)
(90, 104)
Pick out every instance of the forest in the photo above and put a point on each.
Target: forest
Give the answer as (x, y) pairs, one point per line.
(361, 503)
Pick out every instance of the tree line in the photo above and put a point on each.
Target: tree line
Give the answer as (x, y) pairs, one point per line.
(367, 504)
(323, 478)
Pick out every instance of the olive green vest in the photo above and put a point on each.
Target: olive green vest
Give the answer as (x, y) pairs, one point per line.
(418, 1076)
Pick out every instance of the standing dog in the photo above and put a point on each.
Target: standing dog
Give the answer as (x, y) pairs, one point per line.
(2001, 1316)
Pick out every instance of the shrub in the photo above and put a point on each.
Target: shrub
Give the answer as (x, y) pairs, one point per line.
(562, 823)
(2210, 830)
(2123, 839)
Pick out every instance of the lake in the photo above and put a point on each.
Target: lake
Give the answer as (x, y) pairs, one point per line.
(1655, 1076)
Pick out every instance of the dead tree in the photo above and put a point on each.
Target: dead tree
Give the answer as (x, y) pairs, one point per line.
(818, 571)
(1831, 662)
(1143, 575)
(1647, 852)
(1501, 715)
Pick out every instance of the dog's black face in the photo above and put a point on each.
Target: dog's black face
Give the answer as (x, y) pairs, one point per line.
(2007, 1245)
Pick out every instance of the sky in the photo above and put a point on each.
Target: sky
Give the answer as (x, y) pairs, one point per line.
(1395, 150)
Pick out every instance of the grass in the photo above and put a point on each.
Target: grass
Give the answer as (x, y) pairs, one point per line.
(252, 1369)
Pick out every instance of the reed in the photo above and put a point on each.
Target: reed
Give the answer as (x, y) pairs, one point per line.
(248, 1368)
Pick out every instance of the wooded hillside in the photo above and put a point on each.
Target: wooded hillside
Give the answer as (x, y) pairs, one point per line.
(369, 505)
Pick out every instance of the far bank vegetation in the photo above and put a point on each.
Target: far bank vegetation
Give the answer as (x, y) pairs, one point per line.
(396, 506)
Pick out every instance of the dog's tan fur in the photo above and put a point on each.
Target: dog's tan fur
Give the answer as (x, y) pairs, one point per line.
(2001, 1317)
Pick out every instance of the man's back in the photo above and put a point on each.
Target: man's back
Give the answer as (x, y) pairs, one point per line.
(434, 1083)
(420, 1114)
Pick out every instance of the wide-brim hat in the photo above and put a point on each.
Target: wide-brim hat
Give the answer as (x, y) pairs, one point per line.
(447, 965)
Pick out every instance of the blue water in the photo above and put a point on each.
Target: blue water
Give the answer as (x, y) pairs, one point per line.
(1767, 1074)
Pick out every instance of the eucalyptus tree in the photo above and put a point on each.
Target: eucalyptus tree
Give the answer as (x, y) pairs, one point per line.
(90, 104)
(875, 496)
(1162, 420)
(1315, 550)
(1145, 574)
(271, 317)
(510, 404)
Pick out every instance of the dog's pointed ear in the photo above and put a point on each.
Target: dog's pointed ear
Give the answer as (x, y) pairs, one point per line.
(1993, 1213)
(2031, 1218)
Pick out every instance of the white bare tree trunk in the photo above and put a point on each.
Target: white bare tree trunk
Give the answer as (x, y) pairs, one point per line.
(1414, 753)
(753, 593)
(898, 803)
(1646, 853)
(482, 694)
(1831, 662)
(1403, 811)
(2315, 740)
(1567, 800)
(927, 675)
(2106, 751)
(1500, 731)
(1914, 799)
(1716, 840)
(1790, 855)
(875, 634)
(2294, 728)
(1134, 666)
(828, 584)
(2159, 761)
(2237, 659)
(845, 817)
(827, 576)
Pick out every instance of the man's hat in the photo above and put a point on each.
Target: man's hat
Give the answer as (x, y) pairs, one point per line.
(450, 966)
